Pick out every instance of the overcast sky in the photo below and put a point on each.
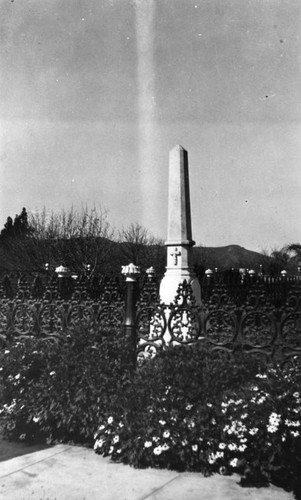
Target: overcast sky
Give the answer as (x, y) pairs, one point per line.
(94, 94)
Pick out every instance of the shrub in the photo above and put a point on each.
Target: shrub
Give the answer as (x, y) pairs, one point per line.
(186, 409)
(190, 409)
(58, 391)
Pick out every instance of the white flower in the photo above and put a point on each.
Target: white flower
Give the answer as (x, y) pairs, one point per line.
(188, 407)
(209, 405)
(274, 419)
(272, 428)
(242, 447)
(191, 424)
(234, 462)
(232, 446)
(184, 442)
(165, 447)
(291, 423)
(260, 375)
(297, 410)
(211, 458)
(110, 420)
(253, 431)
(17, 376)
(116, 439)
(243, 416)
(296, 395)
(295, 433)
(101, 428)
(98, 443)
(166, 434)
(156, 439)
(239, 401)
(52, 373)
(36, 419)
(111, 450)
(22, 437)
(162, 422)
(6, 351)
(157, 450)
(194, 447)
(120, 425)
(222, 446)
(148, 444)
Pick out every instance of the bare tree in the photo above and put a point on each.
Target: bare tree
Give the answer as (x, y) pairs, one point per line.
(73, 238)
(140, 247)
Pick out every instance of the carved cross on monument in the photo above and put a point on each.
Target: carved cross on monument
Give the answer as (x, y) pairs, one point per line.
(175, 255)
(179, 234)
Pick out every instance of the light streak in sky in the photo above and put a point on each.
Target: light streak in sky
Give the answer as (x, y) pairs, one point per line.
(147, 141)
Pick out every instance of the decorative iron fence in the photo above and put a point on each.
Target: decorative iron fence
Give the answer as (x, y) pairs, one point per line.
(48, 307)
(262, 317)
(259, 315)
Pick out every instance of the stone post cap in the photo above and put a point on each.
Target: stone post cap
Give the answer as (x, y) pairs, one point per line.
(150, 271)
(209, 273)
(63, 272)
(130, 272)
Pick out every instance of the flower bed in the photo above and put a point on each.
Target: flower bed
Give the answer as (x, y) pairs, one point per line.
(187, 409)
(58, 391)
(193, 410)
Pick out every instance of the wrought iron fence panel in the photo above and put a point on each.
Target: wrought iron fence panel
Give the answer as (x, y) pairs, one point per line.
(184, 325)
(24, 319)
(291, 331)
(51, 319)
(151, 326)
(110, 317)
(220, 327)
(258, 329)
(4, 315)
(81, 314)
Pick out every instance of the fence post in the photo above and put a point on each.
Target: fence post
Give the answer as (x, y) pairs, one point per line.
(131, 272)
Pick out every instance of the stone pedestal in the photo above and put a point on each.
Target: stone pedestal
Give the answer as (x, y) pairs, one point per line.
(179, 236)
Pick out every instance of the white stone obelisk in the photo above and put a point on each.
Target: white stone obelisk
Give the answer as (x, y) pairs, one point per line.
(179, 236)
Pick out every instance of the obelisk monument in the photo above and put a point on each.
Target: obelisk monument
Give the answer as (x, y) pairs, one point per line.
(179, 236)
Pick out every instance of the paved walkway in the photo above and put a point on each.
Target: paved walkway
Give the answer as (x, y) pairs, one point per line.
(64, 472)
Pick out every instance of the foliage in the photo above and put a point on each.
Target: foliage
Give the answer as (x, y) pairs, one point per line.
(187, 409)
(192, 410)
(48, 387)
(19, 228)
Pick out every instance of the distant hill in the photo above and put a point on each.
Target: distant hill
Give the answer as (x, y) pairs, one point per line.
(113, 255)
(229, 256)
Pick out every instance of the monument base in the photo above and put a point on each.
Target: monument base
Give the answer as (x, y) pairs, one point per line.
(170, 283)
